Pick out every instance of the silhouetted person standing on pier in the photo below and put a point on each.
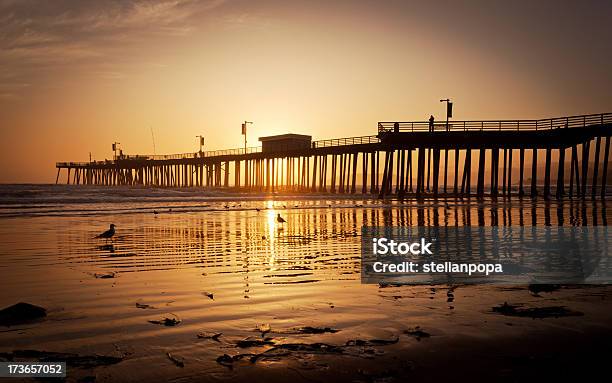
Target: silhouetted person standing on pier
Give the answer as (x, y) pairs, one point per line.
(431, 123)
(396, 127)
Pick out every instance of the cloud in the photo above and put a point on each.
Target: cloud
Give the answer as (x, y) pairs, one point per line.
(36, 36)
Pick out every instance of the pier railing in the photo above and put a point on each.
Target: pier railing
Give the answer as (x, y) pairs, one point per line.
(208, 153)
(498, 125)
(224, 152)
(345, 141)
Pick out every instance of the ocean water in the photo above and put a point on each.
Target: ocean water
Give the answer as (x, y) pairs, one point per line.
(221, 263)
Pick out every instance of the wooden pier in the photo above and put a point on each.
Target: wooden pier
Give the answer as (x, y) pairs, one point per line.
(404, 159)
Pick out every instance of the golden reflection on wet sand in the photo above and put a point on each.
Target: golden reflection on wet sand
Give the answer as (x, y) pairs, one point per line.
(304, 272)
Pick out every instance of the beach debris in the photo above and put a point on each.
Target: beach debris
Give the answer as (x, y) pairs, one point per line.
(225, 360)
(287, 349)
(166, 321)
(254, 342)
(417, 333)
(21, 313)
(105, 275)
(74, 360)
(316, 330)
(264, 329)
(228, 360)
(536, 289)
(450, 297)
(210, 335)
(383, 285)
(310, 348)
(210, 295)
(371, 342)
(144, 306)
(535, 312)
(178, 362)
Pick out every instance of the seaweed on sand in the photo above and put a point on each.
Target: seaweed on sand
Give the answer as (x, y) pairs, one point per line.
(535, 312)
(166, 321)
(417, 333)
(74, 360)
(316, 330)
(287, 349)
(254, 342)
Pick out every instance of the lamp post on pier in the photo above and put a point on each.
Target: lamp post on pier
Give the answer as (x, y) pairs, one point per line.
(201, 141)
(449, 110)
(244, 133)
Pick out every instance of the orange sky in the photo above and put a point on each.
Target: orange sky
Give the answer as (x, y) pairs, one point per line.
(77, 75)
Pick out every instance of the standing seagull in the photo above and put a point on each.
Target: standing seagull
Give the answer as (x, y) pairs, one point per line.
(108, 234)
(280, 219)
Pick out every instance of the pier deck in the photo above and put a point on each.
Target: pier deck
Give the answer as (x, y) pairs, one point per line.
(419, 159)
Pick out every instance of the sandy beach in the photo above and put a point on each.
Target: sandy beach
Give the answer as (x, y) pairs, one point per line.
(222, 291)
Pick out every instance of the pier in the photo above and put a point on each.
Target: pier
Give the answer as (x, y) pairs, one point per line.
(550, 158)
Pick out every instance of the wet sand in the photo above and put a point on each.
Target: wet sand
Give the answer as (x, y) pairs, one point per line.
(287, 299)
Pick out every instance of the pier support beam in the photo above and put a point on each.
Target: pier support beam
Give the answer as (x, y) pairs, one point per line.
(595, 167)
(521, 191)
(481, 173)
(467, 173)
(354, 180)
(585, 166)
(364, 172)
(561, 174)
(446, 169)
(534, 173)
(604, 175)
(509, 177)
(436, 171)
(574, 172)
(494, 172)
(456, 164)
(547, 174)
(420, 171)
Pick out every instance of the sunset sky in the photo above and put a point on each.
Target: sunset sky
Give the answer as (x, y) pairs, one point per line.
(77, 75)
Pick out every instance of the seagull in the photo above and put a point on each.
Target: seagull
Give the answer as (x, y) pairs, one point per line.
(108, 234)
(280, 219)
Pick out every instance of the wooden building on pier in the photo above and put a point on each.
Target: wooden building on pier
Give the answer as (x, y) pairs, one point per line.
(284, 142)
